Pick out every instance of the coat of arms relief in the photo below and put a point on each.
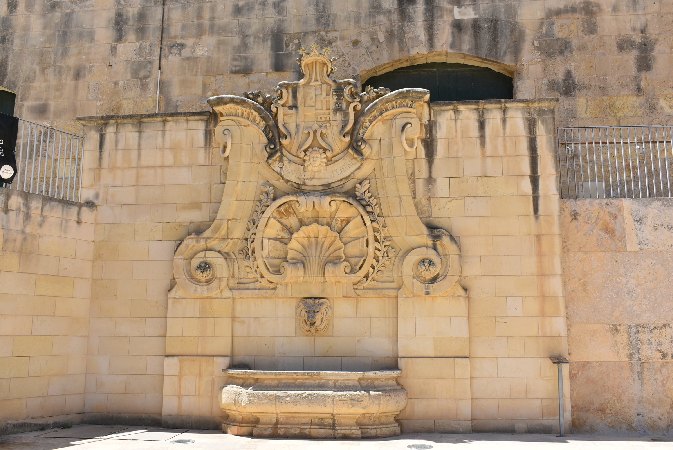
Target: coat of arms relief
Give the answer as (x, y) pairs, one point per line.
(317, 194)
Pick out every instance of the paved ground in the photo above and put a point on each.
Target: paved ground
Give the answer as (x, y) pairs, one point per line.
(100, 437)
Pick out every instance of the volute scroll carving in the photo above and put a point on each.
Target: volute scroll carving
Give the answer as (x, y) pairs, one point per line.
(403, 100)
(435, 269)
(203, 273)
(240, 108)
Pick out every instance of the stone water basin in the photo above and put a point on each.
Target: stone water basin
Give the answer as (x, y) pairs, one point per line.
(317, 404)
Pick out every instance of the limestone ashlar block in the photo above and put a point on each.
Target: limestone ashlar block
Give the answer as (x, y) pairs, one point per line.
(596, 410)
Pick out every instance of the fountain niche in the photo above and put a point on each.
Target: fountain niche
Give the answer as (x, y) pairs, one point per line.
(298, 283)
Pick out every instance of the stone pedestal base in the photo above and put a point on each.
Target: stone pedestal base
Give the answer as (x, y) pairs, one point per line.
(312, 404)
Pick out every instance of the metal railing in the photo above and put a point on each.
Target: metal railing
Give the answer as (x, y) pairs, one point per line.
(49, 162)
(615, 162)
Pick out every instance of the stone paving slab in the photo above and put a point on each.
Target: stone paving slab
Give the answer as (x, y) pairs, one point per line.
(99, 437)
(83, 431)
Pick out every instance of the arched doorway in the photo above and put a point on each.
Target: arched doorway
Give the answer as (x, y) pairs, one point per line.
(7, 101)
(448, 81)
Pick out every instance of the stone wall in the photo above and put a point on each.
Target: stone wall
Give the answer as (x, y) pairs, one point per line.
(489, 176)
(607, 61)
(46, 253)
(617, 267)
(87, 324)
(156, 181)
(469, 363)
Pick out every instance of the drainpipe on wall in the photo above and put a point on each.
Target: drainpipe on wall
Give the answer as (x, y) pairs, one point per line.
(559, 361)
(161, 48)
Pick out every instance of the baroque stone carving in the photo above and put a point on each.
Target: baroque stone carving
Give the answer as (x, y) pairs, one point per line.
(225, 144)
(312, 404)
(329, 228)
(204, 271)
(302, 237)
(381, 243)
(317, 204)
(313, 316)
(315, 127)
(426, 269)
(315, 247)
(248, 249)
(315, 117)
(233, 106)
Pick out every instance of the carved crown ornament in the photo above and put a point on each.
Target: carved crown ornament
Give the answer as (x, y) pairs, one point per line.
(317, 199)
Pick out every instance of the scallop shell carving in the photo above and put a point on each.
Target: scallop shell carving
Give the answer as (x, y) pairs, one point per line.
(286, 221)
(315, 246)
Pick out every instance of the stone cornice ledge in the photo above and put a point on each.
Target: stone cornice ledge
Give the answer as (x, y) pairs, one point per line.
(498, 103)
(316, 374)
(154, 117)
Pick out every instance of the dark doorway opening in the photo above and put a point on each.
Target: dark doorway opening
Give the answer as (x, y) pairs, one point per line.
(448, 81)
(7, 101)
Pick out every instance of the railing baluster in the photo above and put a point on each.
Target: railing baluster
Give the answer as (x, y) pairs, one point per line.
(32, 172)
(593, 145)
(69, 171)
(25, 163)
(559, 184)
(614, 144)
(75, 181)
(646, 147)
(580, 186)
(661, 172)
(621, 143)
(651, 153)
(607, 147)
(628, 148)
(668, 176)
(41, 166)
(17, 178)
(576, 155)
(644, 153)
(58, 166)
(65, 161)
(567, 151)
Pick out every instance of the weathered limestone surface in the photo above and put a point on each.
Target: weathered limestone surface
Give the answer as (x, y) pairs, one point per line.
(469, 315)
(607, 61)
(338, 404)
(153, 179)
(617, 266)
(317, 244)
(46, 253)
(210, 249)
(490, 178)
(292, 228)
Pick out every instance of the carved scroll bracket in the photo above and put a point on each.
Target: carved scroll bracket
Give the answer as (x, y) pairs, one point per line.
(242, 109)
(433, 270)
(410, 100)
(409, 136)
(225, 145)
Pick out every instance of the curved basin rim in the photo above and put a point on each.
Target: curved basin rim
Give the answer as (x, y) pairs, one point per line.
(322, 374)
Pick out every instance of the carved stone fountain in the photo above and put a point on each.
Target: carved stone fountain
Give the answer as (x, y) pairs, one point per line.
(317, 216)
